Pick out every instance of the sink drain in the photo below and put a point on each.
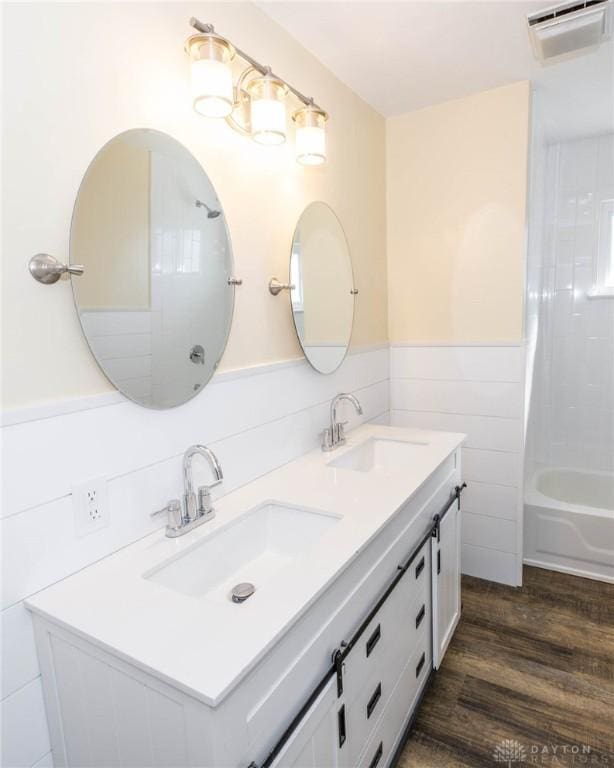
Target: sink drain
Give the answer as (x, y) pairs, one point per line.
(242, 591)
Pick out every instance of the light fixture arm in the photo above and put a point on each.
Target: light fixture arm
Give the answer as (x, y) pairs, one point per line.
(208, 29)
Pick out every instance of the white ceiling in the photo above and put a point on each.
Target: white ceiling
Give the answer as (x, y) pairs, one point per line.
(404, 55)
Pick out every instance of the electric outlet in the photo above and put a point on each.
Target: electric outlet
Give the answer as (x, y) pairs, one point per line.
(90, 506)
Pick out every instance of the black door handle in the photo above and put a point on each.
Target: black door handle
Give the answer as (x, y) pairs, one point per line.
(341, 726)
(377, 695)
(374, 639)
(377, 756)
(420, 616)
(420, 567)
(420, 665)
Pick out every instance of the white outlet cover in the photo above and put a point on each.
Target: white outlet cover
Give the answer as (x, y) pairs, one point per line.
(90, 507)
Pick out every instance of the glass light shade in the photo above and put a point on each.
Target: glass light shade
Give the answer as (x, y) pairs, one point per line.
(212, 87)
(310, 136)
(268, 111)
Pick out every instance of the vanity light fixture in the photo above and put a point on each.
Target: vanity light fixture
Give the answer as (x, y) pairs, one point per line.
(310, 135)
(212, 87)
(268, 111)
(254, 104)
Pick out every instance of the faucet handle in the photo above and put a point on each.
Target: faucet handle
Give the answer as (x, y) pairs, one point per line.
(327, 440)
(173, 509)
(205, 507)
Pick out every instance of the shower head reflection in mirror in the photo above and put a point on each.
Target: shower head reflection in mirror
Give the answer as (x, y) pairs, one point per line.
(156, 284)
(322, 292)
(211, 213)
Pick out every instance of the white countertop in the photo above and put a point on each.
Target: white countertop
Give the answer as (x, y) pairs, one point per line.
(205, 647)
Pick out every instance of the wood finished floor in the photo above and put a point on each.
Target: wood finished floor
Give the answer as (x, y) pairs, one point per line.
(535, 665)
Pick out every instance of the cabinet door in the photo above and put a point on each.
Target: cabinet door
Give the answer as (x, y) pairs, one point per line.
(445, 563)
(319, 739)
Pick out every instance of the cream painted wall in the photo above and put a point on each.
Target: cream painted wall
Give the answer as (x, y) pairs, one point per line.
(456, 206)
(92, 70)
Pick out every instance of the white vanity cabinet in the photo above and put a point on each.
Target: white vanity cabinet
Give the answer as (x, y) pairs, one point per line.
(112, 699)
(360, 719)
(395, 649)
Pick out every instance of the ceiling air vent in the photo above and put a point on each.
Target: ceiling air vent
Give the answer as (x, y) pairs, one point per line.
(564, 29)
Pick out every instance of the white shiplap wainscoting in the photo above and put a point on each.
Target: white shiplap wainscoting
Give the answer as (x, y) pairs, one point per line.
(255, 420)
(478, 390)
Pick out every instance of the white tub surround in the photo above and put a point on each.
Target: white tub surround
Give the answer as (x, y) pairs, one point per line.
(569, 516)
(569, 522)
(477, 389)
(228, 678)
(572, 411)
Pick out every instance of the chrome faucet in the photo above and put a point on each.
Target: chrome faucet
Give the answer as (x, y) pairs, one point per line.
(334, 436)
(196, 509)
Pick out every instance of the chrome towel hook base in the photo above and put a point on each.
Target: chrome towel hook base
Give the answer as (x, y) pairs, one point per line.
(275, 287)
(48, 270)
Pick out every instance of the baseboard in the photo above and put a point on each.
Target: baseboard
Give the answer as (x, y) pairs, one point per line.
(568, 570)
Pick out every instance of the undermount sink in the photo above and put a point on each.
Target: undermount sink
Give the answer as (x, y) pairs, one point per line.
(251, 549)
(379, 454)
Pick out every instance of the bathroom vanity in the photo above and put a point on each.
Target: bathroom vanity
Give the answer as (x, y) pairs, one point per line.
(147, 661)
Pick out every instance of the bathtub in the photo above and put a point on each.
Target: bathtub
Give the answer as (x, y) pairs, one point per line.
(569, 522)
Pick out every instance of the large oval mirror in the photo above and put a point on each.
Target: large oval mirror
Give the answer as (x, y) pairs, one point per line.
(155, 301)
(322, 292)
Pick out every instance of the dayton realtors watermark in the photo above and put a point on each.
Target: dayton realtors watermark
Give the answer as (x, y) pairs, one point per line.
(510, 753)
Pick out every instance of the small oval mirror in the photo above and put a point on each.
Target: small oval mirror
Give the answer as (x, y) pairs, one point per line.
(322, 287)
(155, 302)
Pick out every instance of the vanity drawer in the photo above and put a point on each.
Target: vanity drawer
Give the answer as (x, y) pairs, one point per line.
(390, 635)
(395, 635)
(365, 711)
(394, 717)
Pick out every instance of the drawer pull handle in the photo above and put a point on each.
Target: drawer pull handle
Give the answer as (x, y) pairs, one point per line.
(420, 616)
(341, 725)
(377, 756)
(420, 567)
(373, 640)
(420, 665)
(377, 695)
